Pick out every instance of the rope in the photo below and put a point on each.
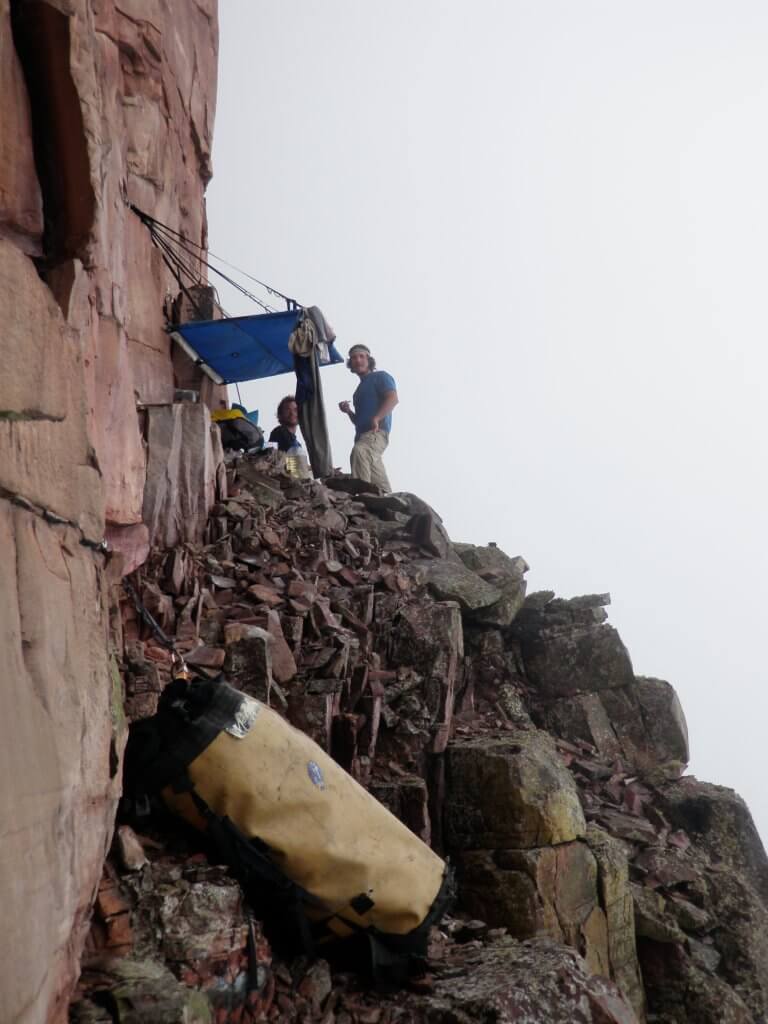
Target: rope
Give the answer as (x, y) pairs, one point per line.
(153, 624)
(175, 264)
(166, 237)
(202, 248)
(267, 308)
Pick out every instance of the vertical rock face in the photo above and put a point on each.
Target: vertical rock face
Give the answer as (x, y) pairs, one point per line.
(101, 104)
(58, 754)
(21, 204)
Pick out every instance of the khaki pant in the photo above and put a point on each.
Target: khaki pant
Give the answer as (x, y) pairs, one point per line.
(365, 459)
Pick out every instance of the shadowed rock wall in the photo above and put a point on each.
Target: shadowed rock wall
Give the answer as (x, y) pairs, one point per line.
(101, 103)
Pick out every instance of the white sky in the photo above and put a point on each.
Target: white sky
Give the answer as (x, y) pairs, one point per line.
(549, 221)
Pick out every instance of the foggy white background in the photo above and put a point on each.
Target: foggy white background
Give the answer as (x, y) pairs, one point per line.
(549, 222)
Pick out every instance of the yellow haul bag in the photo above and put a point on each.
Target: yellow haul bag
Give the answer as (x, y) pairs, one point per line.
(319, 842)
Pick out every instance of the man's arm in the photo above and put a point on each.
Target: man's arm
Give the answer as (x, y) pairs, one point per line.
(389, 401)
(347, 408)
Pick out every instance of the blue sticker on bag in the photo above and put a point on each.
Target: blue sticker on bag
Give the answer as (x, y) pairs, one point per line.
(315, 774)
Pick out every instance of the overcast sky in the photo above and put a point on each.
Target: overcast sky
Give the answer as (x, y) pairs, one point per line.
(549, 221)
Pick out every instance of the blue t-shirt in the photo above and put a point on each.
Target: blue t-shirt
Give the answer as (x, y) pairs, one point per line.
(368, 397)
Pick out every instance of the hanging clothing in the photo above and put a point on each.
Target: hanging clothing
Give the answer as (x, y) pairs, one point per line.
(314, 426)
(311, 337)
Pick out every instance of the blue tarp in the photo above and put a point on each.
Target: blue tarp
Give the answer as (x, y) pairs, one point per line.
(243, 347)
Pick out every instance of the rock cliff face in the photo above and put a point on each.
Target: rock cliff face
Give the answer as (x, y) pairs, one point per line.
(598, 882)
(101, 102)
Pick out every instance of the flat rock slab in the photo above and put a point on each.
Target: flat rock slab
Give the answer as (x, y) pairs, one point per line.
(207, 657)
(490, 558)
(452, 581)
(351, 485)
(384, 502)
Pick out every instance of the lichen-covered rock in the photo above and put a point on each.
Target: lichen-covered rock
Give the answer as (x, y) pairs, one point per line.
(561, 661)
(583, 716)
(574, 893)
(491, 559)
(511, 793)
(738, 933)
(721, 823)
(642, 723)
(452, 581)
(551, 891)
(188, 919)
(523, 983)
(663, 718)
(142, 990)
(681, 992)
(651, 919)
(503, 611)
(617, 904)
(425, 527)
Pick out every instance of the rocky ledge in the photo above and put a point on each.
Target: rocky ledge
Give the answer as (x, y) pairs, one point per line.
(598, 882)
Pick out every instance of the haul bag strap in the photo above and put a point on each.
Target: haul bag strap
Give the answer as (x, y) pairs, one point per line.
(250, 860)
(179, 735)
(197, 733)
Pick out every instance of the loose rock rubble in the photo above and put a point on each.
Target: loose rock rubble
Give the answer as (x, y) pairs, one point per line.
(508, 731)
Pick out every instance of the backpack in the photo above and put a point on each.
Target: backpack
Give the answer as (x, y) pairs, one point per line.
(322, 862)
(237, 430)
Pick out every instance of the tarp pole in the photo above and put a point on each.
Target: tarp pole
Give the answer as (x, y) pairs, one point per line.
(187, 348)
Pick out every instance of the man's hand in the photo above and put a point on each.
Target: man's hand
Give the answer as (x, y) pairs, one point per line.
(375, 424)
(345, 407)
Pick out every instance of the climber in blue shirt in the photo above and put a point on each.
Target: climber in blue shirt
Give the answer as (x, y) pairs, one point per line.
(374, 399)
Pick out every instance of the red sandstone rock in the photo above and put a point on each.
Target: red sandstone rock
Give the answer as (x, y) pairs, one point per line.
(206, 657)
(266, 594)
(126, 99)
(21, 207)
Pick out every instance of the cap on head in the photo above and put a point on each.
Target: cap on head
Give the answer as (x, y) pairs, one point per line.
(359, 348)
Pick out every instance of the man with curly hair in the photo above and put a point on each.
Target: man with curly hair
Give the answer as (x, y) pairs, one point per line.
(285, 435)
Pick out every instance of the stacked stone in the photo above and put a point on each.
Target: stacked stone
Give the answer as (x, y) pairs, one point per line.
(310, 597)
(689, 851)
